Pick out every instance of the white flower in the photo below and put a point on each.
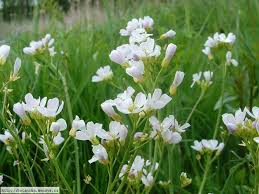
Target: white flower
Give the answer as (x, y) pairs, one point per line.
(107, 107)
(178, 78)
(31, 104)
(197, 146)
(157, 100)
(128, 106)
(169, 53)
(38, 47)
(45, 147)
(4, 53)
(16, 68)
(116, 131)
(206, 81)
(208, 145)
(126, 94)
(59, 125)
(135, 70)
(208, 76)
(117, 57)
(230, 60)
(171, 137)
(19, 110)
(232, 122)
(7, 137)
(149, 48)
(102, 74)
(139, 35)
(136, 166)
(53, 108)
(169, 129)
(78, 124)
(90, 132)
(231, 38)
(58, 139)
(256, 139)
(1, 179)
(207, 52)
(100, 154)
(147, 180)
(147, 22)
(168, 34)
(196, 78)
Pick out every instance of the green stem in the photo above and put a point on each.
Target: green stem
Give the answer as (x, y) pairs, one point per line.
(69, 108)
(224, 72)
(205, 175)
(64, 145)
(55, 163)
(257, 171)
(195, 105)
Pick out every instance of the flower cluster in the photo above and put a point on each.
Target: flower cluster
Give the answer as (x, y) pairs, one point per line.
(168, 130)
(40, 46)
(241, 125)
(217, 40)
(208, 146)
(37, 107)
(139, 170)
(204, 83)
(126, 103)
(102, 74)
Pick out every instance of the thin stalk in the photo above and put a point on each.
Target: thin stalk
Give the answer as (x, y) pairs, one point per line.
(195, 105)
(158, 75)
(64, 145)
(206, 172)
(224, 73)
(69, 108)
(55, 163)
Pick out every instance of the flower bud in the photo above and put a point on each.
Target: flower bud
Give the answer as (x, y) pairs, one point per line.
(117, 57)
(4, 52)
(168, 34)
(170, 51)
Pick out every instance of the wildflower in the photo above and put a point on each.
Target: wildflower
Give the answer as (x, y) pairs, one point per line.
(147, 180)
(45, 148)
(17, 65)
(169, 129)
(170, 51)
(107, 107)
(77, 124)
(234, 122)
(117, 57)
(136, 166)
(38, 47)
(18, 108)
(168, 34)
(136, 70)
(116, 131)
(102, 74)
(53, 108)
(205, 82)
(100, 154)
(139, 35)
(4, 53)
(149, 48)
(128, 106)
(178, 78)
(207, 52)
(58, 139)
(208, 146)
(7, 139)
(59, 125)
(31, 104)
(185, 181)
(147, 22)
(157, 100)
(230, 60)
(90, 132)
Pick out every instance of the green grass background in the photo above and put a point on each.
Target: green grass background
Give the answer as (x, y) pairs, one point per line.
(87, 46)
